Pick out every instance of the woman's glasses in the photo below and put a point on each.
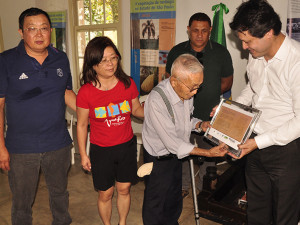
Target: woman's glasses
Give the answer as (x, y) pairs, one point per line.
(112, 60)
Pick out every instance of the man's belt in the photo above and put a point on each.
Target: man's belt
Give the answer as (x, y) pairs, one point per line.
(164, 157)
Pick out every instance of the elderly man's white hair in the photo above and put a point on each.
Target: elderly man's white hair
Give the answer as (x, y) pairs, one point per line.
(185, 65)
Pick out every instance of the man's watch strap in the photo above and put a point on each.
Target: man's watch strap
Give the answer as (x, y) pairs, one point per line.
(199, 129)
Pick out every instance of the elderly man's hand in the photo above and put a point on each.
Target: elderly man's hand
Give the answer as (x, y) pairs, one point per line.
(218, 151)
(205, 125)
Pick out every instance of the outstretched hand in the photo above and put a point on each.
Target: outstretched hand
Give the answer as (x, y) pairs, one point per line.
(218, 151)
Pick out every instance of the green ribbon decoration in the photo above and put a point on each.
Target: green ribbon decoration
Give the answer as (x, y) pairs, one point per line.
(218, 31)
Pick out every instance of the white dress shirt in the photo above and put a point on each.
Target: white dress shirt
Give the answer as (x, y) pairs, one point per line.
(160, 135)
(274, 88)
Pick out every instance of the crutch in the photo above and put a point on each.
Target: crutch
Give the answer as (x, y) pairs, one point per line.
(196, 210)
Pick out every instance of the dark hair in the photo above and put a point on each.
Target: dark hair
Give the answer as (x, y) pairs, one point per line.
(32, 12)
(200, 17)
(93, 55)
(257, 17)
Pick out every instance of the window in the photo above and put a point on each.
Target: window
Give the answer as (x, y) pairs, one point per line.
(93, 18)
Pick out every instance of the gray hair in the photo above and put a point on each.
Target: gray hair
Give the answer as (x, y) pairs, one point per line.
(186, 64)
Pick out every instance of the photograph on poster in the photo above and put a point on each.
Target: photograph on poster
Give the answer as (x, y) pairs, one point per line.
(152, 28)
(293, 20)
(148, 78)
(149, 33)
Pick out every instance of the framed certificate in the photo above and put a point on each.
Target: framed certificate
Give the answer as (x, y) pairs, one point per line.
(232, 124)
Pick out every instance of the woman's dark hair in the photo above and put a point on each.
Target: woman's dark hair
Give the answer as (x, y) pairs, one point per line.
(32, 12)
(199, 17)
(93, 55)
(257, 17)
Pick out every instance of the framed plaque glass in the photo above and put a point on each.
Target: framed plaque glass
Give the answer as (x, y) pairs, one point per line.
(232, 124)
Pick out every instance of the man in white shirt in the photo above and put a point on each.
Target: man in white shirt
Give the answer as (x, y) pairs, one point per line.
(166, 139)
(273, 154)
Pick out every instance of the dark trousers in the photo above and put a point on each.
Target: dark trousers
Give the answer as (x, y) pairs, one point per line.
(23, 180)
(273, 185)
(162, 198)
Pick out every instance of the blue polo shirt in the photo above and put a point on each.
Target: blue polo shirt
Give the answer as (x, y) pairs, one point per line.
(34, 97)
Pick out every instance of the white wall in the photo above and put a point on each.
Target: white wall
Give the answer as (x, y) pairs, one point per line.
(10, 11)
(54, 6)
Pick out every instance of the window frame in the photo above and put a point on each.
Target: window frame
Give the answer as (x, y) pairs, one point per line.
(75, 28)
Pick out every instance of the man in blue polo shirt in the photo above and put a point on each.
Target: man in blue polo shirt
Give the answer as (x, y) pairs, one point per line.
(35, 87)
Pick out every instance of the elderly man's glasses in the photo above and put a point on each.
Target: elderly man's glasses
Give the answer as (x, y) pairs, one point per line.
(191, 89)
(34, 30)
(106, 61)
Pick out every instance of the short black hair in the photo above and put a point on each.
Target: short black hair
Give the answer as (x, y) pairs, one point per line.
(257, 17)
(32, 12)
(199, 17)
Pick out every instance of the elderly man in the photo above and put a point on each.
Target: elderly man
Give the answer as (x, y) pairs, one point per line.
(35, 86)
(218, 78)
(166, 138)
(273, 153)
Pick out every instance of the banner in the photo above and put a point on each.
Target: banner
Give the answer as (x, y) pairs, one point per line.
(152, 37)
(218, 31)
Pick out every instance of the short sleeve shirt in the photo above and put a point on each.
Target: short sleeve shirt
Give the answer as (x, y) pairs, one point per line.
(109, 112)
(217, 64)
(34, 98)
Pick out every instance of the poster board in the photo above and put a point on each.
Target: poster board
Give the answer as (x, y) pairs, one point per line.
(293, 19)
(152, 37)
(58, 35)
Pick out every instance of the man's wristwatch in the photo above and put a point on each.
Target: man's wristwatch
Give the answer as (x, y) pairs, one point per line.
(199, 129)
